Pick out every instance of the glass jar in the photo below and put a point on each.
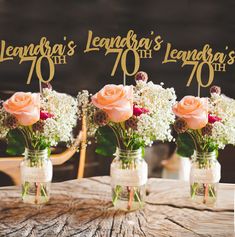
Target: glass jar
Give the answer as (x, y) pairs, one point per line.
(36, 175)
(129, 173)
(204, 177)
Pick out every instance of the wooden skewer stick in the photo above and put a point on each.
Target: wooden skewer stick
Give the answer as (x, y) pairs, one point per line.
(37, 192)
(40, 87)
(124, 78)
(131, 196)
(83, 147)
(198, 90)
(206, 194)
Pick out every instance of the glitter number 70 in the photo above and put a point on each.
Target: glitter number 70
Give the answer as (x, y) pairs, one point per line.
(122, 55)
(197, 69)
(36, 62)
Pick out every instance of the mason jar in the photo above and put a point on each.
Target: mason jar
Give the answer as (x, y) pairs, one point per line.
(129, 173)
(204, 177)
(36, 176)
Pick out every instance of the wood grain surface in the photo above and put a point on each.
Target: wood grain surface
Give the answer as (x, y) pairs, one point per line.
(83, 208)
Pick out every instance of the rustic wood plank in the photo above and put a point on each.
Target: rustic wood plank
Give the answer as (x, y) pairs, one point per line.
(83, 208)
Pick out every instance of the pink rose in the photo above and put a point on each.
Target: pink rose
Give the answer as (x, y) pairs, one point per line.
(193, 110)
(45, 115)
(25, 107)
(116, 101)
(138, 111)
(213, 119)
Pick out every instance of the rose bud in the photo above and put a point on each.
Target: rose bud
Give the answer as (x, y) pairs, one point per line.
(215, 90)
(11, 122)
(180, 126)
(46, 86)
(141, 76)
(101, 118)
(1, 103)
(38, 126)
(207, 130)
(132, 123)
(213, 119)
(138, 111)
(45, 115)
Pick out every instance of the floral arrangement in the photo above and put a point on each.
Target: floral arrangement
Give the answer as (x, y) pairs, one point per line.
(204, 124)
(37, 121)
(129, 117)
(125, 119)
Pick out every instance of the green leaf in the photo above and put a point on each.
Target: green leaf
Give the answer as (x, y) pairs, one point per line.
(185, 145)
(41, 143)
(105, 151)
(106, 141)
(137, 144)
(15, 142)
(211, 146)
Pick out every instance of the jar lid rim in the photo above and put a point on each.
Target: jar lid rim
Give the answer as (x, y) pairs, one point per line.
(205, 154)
(124, 152)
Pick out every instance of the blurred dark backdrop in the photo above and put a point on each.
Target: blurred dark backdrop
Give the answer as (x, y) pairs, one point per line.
(186, 24)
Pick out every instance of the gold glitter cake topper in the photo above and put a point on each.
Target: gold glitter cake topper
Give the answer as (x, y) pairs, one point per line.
(124, 47)
(130, 47)
(198, 59)
(143, 48)
(35, 53)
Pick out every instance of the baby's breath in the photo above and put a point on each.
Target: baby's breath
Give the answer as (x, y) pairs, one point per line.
(223, 131)
(151, 126)
(64, 109)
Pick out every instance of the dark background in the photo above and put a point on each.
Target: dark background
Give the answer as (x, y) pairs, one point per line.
(185, 24)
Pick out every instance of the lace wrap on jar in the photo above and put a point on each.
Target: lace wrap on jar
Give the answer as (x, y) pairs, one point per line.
(129, 173)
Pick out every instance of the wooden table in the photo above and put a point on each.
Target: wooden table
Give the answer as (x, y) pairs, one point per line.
(83, 208)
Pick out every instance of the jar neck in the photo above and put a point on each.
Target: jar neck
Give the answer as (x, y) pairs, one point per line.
(205, 155)
(128, 154)
(35, 155)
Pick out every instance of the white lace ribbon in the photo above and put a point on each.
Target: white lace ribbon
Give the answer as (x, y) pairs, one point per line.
(209, 175)
(36, 174)
(127, 177)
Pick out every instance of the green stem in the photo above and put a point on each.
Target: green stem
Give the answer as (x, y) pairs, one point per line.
(25, 137)
(194, 140)
(194, 188)
(199, 138)
(117, 191)
(211, 191)
(137, 197)
(25, 189)
(43, 190)
(115, 136)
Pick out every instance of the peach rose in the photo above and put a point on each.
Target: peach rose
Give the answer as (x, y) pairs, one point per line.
(116, 101)
(193, 110)
(25, 107)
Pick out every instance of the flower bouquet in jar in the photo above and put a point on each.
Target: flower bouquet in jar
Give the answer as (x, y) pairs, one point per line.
(204, 125)
(125, 119)
(32, 123)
